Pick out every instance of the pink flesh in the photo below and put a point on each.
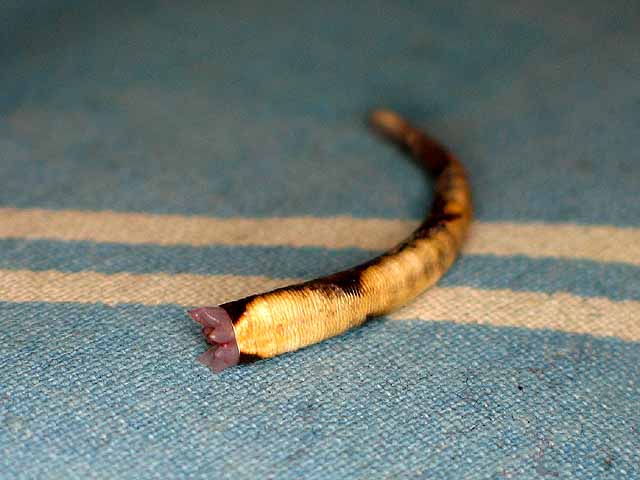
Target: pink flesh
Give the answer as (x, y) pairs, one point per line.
(217, 328)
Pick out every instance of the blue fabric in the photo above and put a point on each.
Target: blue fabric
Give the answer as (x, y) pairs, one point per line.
(255, 109)
(390, 399)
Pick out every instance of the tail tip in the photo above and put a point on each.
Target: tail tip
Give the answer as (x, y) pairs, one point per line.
(388, 121)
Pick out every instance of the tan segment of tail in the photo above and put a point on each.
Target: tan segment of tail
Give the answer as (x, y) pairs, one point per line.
(299, 315)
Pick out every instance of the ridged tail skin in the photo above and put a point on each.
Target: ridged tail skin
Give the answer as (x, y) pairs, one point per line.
(293, 317)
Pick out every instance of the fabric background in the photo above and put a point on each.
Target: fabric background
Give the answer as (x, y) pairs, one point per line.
(158, 155)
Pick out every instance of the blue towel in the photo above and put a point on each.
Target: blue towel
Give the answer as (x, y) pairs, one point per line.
(156, 156)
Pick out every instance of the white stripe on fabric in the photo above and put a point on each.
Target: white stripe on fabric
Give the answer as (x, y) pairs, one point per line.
(503, 308)
(599, 243)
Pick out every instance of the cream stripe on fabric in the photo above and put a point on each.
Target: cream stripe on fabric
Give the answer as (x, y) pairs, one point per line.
(503, 308)
(598, 243)
(560, 311)
(112, 289)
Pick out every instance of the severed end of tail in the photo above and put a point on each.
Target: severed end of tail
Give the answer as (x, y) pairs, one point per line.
(217, 328)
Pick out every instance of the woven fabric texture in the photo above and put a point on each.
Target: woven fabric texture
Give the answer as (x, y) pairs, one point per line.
(162, 155)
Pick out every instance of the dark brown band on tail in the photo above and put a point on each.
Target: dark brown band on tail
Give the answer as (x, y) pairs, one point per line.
(426, 150)
(292, 317)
